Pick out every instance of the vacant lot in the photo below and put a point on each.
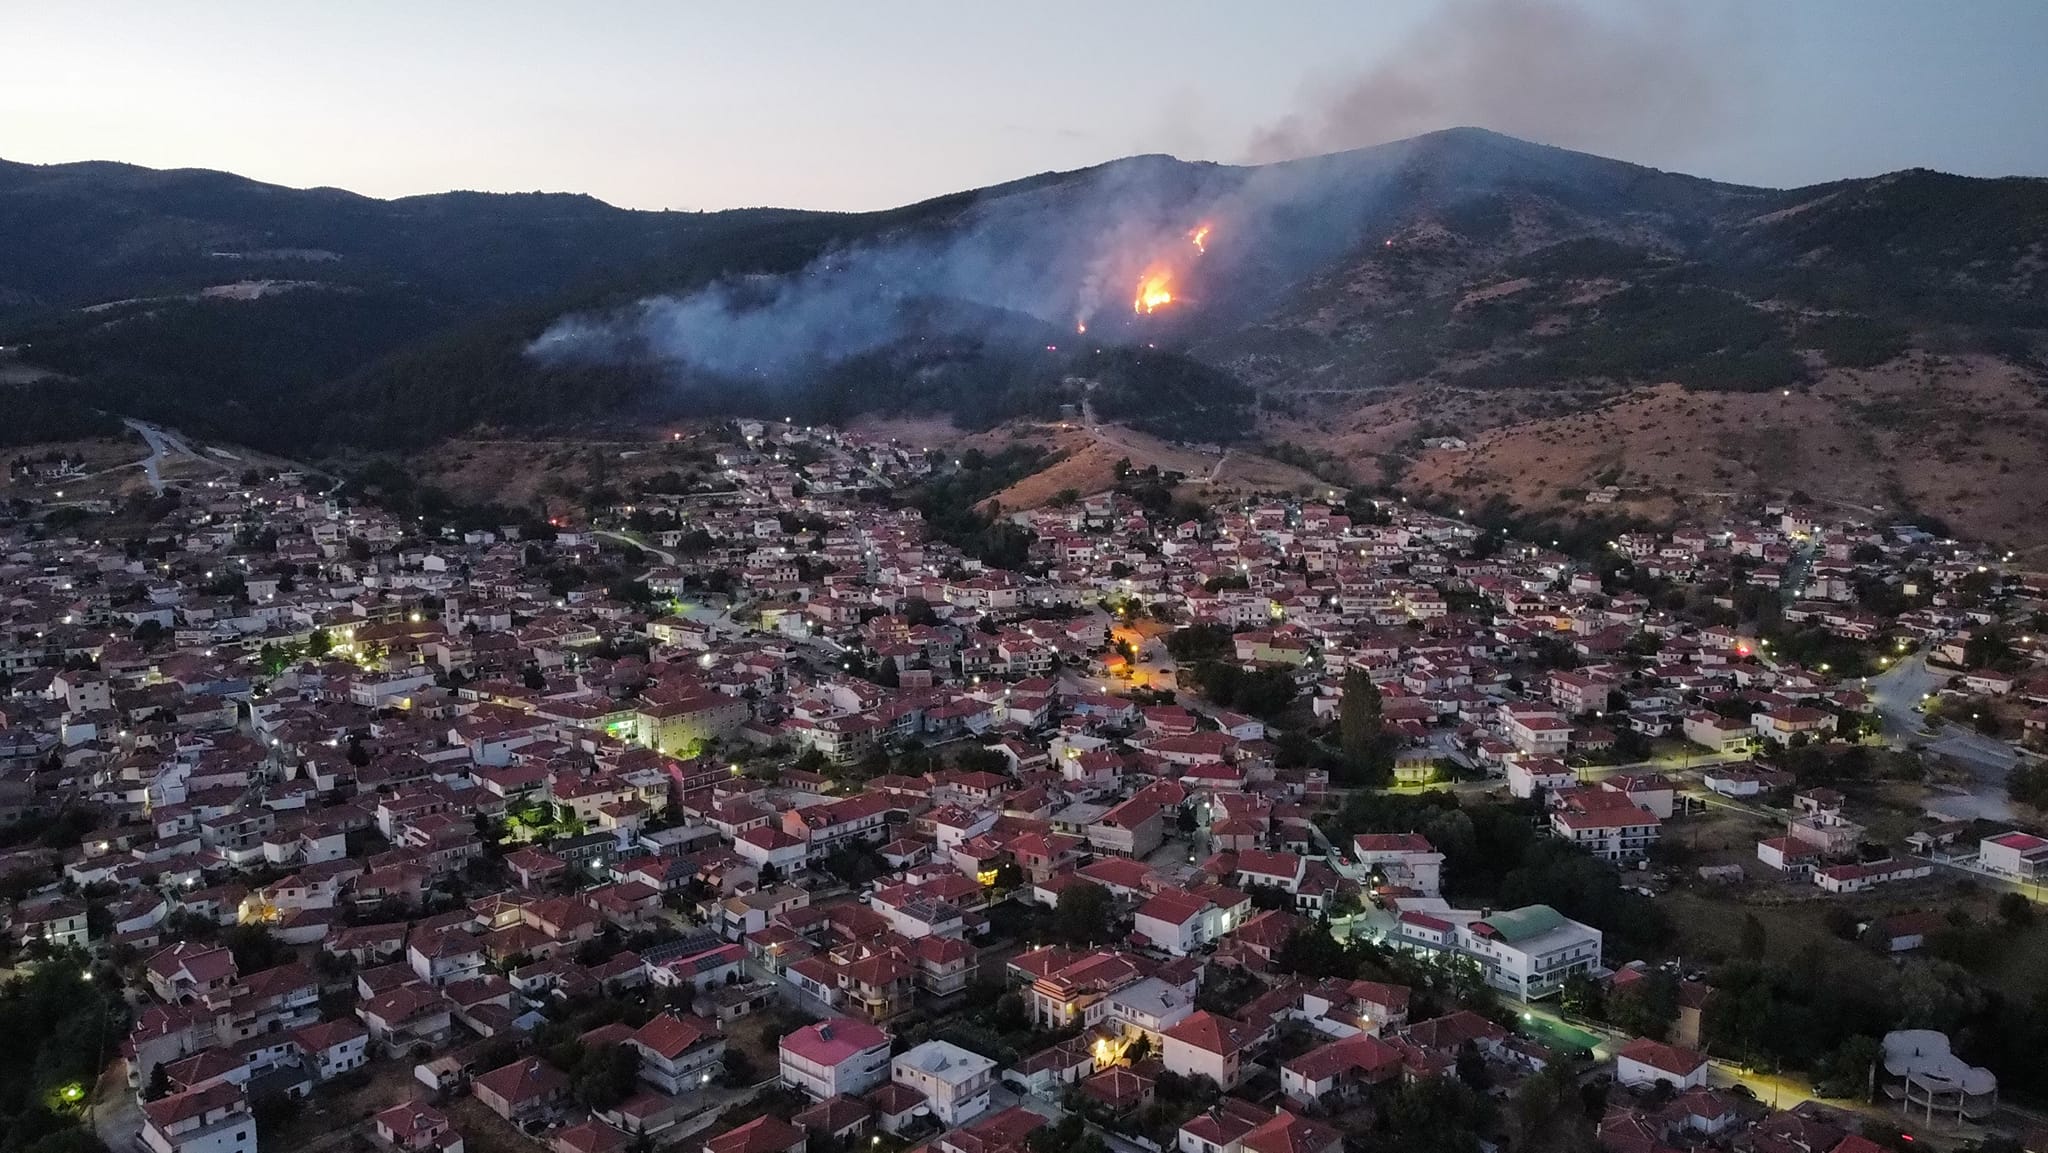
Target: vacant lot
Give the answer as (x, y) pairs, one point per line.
(337, 1109)
(1709, 924)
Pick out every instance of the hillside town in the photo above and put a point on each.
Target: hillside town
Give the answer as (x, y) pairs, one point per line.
(758, 807)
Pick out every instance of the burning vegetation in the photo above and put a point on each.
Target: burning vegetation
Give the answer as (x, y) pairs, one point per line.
(1155, 291)
(1155, 287)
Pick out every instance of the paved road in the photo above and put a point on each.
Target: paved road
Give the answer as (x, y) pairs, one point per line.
(1898, 689)
(116, 1118)
(1986, 760)
(666, 556)
(162, 443)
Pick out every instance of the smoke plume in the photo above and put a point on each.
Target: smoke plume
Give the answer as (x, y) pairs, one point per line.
(1025, 266)
(1642, 86)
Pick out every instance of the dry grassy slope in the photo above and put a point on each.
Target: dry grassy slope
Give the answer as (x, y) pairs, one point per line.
(1088, 459)
(1958, 437)
(1090, 467)
(538, 473)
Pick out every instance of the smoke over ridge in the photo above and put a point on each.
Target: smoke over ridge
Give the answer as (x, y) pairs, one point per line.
(1024, 266)
(1642, 85)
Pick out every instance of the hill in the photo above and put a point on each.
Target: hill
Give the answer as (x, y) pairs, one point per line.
(1460, 282)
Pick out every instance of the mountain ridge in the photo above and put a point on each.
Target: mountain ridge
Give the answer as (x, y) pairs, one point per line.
(1477, 274)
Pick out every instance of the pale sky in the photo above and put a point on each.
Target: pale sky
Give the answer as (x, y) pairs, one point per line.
(862, 104)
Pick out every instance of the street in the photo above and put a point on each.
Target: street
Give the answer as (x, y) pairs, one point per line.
(1987, 760)
(1896, 690)
(161, 445)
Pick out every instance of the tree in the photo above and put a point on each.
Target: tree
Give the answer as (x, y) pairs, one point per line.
(1934, 995)
(1061, 1137)
(739, 1070)
(1198, 643)
(1471, 1068)
(159, 1081)
(1545, 1112)
(1846, 1071)
(1312, 952)
(1754, 941)
(1368, 751)
(1360, 718)
(2015, 910)
(1010, 1014)
(1085, 915)
(605, 1075)
(1647, 1007)
(255, 948)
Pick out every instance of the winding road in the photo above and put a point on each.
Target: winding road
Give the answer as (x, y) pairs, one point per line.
(161, 444)
(1987, 760)
(666, 556)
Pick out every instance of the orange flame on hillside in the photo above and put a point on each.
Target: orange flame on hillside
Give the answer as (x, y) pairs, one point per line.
(1201, 237)
(1154, 292)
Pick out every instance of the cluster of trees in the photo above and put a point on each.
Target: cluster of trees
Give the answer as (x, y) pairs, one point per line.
(62, 1026)
(1153, 491)
(1266, 693)
(1170, 394)
(1204, 652)
(951, 502)
(1659, 329)
(1199, 642)
(1823, 1010)
(1646, 1007)
(1494, 854)
(41, 415)
(1084, 916)
(2028, 784)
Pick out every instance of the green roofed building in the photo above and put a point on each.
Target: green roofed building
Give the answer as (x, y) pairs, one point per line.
(1526, 952)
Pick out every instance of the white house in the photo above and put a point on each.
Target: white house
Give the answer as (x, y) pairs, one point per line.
(955, 1081)
(213, 1119)
(1528, 952)
(1529, 775)
(2014, 854)
(1177, 921)
(1539, 735)
(1402, 860)
(1208, 1045)
(1781, 727)
(1612, 832)
(1717, 733)
(834, 1057)
(677, 1053)
(769, 845)
(1646, 1062)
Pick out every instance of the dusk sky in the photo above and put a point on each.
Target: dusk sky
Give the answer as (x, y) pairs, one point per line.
(870, 104)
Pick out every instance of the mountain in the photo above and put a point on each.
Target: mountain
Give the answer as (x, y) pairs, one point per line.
(1532, 301)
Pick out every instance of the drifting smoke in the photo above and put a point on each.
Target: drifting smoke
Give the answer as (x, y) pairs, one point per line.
(1016, 267)
(1543, 70)
(1125, 249)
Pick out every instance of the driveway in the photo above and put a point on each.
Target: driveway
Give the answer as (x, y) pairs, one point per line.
(116, 1118)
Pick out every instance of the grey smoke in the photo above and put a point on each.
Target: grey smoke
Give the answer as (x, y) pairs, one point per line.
(1644, 85)
(1033, 261)
(1026, 264)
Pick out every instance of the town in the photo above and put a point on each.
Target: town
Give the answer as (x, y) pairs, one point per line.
(787, 796)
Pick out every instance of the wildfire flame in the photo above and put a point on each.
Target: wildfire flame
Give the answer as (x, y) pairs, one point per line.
(1153, 292)
(1201, 237)
(1080, 326)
